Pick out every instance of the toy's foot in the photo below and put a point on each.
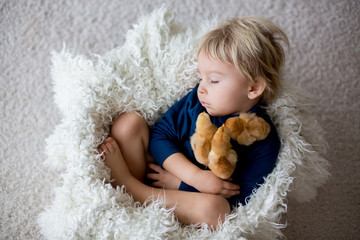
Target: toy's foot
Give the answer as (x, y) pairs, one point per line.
(246, 139)
(223, 168)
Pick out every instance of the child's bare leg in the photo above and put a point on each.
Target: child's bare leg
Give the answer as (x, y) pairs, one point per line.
(132, 135)
(119, 169)
(131, 132)
(190, 207)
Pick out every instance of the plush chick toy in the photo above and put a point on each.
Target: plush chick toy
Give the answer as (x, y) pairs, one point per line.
(212, 146)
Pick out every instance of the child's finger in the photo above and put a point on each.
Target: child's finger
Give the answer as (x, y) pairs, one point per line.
(155, 167)
(231, 186)
(157, 184)
(152, 176)
(229, 193)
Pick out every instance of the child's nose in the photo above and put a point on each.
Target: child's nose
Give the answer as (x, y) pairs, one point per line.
(202, 88)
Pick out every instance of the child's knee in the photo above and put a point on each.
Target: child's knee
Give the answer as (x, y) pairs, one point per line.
(215, 208)
(128, 126)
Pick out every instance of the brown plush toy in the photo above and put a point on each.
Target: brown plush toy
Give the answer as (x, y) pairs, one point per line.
(212, 146)
(201, 140)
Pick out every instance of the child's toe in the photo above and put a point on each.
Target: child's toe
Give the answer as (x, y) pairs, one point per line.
(100, 150)
(109, 140)
(103, 149)
(110, 146)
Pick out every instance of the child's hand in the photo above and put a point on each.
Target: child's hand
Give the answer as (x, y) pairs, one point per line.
(207, 182)
(162, 178)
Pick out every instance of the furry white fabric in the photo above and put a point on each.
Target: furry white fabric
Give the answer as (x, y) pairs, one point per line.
(153, 69)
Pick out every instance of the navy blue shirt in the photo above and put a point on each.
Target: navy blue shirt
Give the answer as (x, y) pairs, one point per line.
(172, 135)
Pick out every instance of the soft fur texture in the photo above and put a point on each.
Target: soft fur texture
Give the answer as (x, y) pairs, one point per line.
(201, 140)
(212, 147)
(153, 69)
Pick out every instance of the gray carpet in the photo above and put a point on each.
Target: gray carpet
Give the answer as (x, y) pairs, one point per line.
(324, 59)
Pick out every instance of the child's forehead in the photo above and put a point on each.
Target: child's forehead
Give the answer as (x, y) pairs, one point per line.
(207, 63)
(211, 71)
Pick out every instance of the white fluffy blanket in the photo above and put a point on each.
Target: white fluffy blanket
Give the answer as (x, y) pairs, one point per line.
(153, 69)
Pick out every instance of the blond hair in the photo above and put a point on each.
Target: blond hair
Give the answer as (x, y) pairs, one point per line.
(253, 46)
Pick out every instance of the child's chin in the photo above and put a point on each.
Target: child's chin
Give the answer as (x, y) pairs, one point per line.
(214, 113)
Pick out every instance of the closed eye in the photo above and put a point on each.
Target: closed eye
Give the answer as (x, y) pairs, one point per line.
(199, 76)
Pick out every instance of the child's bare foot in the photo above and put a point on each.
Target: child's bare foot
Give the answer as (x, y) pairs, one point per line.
(115, 161)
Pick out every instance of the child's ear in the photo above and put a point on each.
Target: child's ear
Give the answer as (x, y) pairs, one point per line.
(257, 88)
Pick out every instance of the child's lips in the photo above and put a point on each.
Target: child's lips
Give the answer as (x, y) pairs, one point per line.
(205, 104)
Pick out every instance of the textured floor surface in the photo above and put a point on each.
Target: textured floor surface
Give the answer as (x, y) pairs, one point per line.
(324, 59)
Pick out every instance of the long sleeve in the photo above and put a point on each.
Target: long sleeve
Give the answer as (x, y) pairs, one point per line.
(172, 133)
(255, 163)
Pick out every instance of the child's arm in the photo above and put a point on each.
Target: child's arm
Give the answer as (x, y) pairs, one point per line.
(203, 180)
(170, 139)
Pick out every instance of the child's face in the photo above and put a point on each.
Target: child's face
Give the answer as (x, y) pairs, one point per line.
(223, 90)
